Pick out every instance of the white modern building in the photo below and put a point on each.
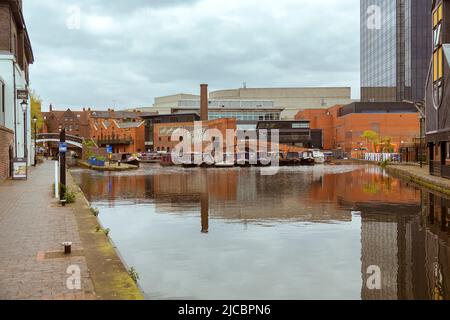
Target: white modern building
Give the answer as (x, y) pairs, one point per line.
(289, 100)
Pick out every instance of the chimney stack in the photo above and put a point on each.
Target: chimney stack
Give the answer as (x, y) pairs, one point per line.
(204, 104)
(51, 107)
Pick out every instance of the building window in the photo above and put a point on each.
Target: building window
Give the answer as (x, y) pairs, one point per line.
(2, 103)
(438, 60)
(447, 157)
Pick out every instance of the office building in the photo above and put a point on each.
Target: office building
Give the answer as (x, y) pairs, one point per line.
(395, 49)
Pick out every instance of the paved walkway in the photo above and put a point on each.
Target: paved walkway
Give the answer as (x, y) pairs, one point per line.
(32, 228)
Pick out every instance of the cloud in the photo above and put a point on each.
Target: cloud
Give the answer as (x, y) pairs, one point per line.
(132, 51)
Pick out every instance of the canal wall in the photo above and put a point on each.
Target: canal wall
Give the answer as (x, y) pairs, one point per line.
(421, 177)
(108, 271)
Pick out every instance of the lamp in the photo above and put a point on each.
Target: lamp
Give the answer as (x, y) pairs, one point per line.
(35, 138)
(24, 105)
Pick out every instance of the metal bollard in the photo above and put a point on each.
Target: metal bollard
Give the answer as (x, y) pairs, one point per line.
(67, 247)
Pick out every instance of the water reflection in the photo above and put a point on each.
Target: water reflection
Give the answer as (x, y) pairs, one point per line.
(327, 226)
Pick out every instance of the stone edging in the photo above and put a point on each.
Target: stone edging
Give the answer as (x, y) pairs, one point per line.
(418, 179)
(107, 270)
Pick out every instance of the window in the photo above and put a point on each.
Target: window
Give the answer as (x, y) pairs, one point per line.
(438, 59)
(300, 125)
(2, 103)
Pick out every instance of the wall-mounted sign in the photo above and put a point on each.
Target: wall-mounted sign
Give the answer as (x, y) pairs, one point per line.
(20, 169)
(22, 94)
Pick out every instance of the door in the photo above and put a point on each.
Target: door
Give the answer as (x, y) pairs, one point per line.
(10, 157)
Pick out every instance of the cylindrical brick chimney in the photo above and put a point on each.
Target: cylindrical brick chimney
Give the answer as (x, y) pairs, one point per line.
(204, 104)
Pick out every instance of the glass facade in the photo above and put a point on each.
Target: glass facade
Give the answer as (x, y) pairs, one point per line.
(395, 49)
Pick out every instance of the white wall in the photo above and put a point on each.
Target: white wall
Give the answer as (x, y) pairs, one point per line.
(7, 67)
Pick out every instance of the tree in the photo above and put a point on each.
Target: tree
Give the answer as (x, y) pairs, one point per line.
(373, 138)
(386, 145)
(36, 111)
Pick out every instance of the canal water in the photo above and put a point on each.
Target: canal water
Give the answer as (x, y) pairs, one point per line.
(323, 232)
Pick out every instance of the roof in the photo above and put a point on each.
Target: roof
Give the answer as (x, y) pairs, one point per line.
(377, 108)
(129, 125)
(119, 114)
(151, 116)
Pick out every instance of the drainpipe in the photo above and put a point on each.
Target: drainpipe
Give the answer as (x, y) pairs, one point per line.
(14, 106)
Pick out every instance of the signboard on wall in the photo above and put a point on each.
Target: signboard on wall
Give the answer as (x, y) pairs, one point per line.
(22, 94)
(20, 169)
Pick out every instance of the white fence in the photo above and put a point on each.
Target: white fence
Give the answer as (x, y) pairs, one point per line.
(379, 157)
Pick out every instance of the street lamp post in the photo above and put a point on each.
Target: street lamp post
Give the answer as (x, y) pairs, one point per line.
(24, 106)
(420, 106)
(35, 138)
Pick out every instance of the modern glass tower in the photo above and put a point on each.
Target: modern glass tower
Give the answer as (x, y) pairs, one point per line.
(396, 47)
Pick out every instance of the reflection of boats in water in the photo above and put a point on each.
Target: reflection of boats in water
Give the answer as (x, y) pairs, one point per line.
(227, 161)
(319, 156)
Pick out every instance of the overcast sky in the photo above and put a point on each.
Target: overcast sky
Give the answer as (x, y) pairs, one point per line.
(126, 52)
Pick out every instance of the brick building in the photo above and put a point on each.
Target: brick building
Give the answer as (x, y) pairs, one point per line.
(75, 123)
(343, 126)
(15, 57)
(123, 130)
(163, 131)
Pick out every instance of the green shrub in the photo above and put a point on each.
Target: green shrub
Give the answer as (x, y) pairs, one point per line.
(384, 163)
(69, 196)
(133, 274)
(95, 212)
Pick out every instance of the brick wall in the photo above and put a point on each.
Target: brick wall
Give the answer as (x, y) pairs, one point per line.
(6, 140)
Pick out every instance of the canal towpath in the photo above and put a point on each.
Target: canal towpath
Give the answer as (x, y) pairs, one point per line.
(33, 226)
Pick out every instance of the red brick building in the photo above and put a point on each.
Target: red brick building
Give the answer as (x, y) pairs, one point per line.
(343, 126)
(123, 130)
(76, 123)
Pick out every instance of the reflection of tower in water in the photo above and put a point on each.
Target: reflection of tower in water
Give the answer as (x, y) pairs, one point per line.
(411, 247)
(204, 207)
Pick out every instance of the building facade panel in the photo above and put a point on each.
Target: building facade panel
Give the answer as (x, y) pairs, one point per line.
(438, 93)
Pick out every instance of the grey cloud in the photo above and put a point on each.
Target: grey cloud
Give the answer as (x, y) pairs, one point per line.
(152, 48)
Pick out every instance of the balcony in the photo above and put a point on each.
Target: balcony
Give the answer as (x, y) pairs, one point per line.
(115, 142)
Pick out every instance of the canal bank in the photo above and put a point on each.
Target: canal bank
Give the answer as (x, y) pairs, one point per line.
(109, 274)
(420, 176)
